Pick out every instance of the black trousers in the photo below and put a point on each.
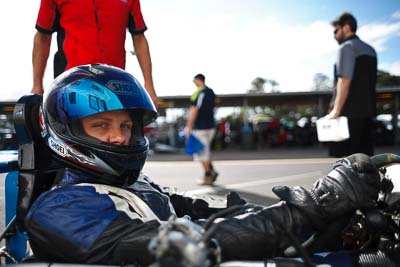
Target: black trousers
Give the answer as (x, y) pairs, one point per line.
(361, 139)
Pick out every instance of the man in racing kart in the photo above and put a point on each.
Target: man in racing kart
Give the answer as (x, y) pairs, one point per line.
(103, 210)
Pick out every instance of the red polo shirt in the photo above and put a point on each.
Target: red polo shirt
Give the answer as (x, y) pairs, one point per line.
(90, 31)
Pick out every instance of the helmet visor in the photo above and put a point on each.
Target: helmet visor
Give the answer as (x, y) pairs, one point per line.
(87, 97)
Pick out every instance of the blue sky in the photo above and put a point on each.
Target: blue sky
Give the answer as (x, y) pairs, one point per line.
(231, 42)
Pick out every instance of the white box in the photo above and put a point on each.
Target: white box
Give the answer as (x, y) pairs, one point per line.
(333, 130)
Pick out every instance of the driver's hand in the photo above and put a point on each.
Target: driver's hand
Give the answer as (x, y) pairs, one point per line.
(353, 183)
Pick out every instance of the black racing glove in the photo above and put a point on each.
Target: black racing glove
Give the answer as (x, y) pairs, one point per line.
(353, 183)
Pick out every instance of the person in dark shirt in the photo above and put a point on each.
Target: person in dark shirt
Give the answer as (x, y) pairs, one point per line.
(354, 93)
(202, 124)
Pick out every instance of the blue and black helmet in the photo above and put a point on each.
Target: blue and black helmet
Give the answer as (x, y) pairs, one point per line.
(88, 90)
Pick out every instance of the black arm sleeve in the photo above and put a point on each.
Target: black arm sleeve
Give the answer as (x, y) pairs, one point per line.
(261, 234)
(124, 242)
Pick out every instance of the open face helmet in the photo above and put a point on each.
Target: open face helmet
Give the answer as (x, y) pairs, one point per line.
(89, 90)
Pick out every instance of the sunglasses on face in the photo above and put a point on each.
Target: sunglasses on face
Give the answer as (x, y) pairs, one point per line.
(335, 31)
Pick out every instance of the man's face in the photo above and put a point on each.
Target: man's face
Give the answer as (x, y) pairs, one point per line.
(113, 127)
(198, 82)
(339, 34)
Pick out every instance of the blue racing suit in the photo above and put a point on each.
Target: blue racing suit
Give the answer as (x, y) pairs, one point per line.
(81, 221)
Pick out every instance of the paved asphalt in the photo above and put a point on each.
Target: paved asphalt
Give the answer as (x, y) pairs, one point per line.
(250, 173)
(252, 179)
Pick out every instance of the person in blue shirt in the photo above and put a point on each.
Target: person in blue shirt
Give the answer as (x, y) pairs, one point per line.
(201, 124)
(103, 210)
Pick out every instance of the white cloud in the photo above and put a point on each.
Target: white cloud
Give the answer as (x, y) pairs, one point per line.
(232, 54)
(392, 67)
(378, 34)
(396, 15)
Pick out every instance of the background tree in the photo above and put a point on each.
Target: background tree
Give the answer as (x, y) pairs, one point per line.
(322, 82)
(257, 85)
(274, 86)
(386, 79)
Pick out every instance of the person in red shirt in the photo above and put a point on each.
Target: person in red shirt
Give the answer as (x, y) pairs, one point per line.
(89, 31)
